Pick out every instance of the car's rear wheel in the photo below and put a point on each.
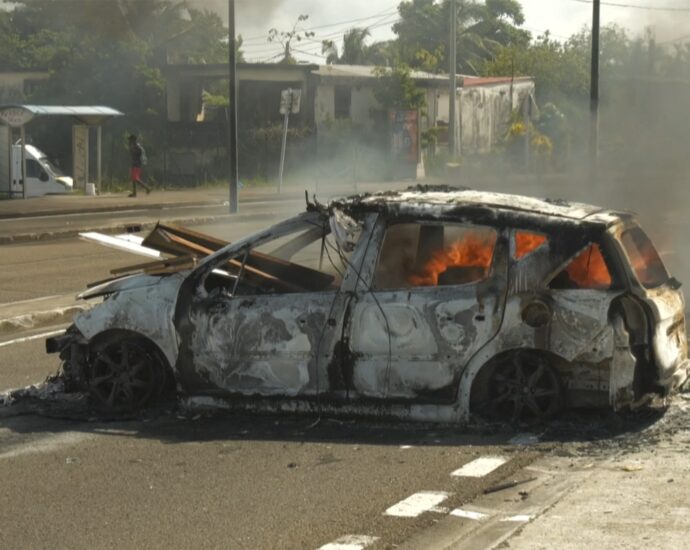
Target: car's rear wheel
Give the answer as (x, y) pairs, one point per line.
(124, 375)
(523, 388)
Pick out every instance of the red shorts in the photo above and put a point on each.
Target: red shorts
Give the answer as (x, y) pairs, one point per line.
(135, 173)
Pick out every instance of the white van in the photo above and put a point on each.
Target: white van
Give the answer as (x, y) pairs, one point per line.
(42, 176)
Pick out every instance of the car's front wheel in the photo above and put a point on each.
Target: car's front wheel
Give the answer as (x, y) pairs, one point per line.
(125, 374)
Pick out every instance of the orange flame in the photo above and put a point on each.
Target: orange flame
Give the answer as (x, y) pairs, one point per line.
(473, 250)
(527, 242)
(589, 270)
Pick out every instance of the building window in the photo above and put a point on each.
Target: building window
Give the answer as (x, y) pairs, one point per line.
(343, 101)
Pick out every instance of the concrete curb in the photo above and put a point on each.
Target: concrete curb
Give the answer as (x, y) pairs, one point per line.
(105, 208)
(39, 319)
(118, 228)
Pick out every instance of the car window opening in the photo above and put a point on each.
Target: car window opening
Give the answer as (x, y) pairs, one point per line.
(416, 255)
(587, 271)
(527, 242)
(307, 260)
(645, 259)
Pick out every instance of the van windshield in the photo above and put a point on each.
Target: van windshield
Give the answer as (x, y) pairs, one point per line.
(50, 167)
(644, 258)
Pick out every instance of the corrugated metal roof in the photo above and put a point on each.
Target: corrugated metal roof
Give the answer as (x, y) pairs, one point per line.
(18, 115)
(78, 110)
(368, 71)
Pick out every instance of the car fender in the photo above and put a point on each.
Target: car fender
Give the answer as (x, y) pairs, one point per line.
(146, 310)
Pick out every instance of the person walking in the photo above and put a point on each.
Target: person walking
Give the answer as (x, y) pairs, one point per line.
(138, 156)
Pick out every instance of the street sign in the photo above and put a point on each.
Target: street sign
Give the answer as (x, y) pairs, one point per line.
(290, 101)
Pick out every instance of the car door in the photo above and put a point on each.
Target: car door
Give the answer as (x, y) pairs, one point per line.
(270, 328)
(434, 296)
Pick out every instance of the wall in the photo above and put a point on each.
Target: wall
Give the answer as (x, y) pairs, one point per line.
(484, 113)
(12, 85)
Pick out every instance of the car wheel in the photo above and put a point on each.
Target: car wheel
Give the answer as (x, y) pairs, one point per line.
(124, 375)
(524, 388)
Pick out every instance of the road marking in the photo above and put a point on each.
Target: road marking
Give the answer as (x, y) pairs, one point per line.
(480, 466)
(405, 446)
(519, 518)
(350, 542)
(417, 504)
(468, 514)
(30, 338)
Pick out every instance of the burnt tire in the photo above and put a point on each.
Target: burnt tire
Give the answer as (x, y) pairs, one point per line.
(523, 388)
(125, 374)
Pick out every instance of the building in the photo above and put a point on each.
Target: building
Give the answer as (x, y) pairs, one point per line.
(329, 93)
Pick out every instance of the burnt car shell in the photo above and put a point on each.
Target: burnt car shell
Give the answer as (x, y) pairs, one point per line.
(418, 351)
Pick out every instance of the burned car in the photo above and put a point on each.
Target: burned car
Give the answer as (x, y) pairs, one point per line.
(431, 304)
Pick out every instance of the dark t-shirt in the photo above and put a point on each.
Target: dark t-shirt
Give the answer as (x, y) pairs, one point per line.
(136, 153)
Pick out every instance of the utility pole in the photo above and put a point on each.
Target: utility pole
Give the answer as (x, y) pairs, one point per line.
(452, 91)
(232, 110)
(594, 92)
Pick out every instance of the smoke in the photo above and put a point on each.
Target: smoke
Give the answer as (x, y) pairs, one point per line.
(250, 13)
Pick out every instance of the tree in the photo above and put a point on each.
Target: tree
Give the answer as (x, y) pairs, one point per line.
(355, 51)
(482, 29)
(285, 38)
(396, 89)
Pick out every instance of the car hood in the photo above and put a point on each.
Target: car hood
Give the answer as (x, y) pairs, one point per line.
(123, 284)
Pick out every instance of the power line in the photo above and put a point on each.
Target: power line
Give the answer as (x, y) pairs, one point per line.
(635, 6)
(387, 11)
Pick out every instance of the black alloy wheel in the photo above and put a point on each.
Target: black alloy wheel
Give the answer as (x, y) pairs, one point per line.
(524, 388)
(124, 376)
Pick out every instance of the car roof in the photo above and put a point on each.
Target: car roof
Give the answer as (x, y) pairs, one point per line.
(427, 201)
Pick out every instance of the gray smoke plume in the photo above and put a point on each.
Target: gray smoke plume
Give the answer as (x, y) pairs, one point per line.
(251, 12)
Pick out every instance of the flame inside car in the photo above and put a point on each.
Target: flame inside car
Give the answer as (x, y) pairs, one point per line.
(474, 251)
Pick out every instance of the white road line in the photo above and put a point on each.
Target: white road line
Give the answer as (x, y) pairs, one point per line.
(520, 518)
(350, 542)
(468, 514)
(30, 338)
(417, 504)
(480, 466)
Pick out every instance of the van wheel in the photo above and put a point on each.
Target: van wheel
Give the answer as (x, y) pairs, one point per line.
(524, 388)
(124, 375)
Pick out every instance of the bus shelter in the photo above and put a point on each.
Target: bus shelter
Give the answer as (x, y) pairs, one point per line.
(13, 120)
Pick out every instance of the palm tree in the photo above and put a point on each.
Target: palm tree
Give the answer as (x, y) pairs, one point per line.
(355, 50)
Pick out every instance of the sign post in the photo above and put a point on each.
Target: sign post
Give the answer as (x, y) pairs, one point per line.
(289, 103)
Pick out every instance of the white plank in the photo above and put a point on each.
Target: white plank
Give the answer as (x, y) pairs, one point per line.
(120, 243)
(480, 466)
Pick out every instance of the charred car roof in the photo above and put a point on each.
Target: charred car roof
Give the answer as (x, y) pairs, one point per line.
(443, 202)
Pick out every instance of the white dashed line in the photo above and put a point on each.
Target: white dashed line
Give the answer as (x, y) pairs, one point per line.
(31, 338)
(480, 467)
(468, 514)
(405, 446)
(417, 504)
(519, 518)
(350, 542)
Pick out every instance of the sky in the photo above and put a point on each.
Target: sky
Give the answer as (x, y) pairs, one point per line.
(561, 17)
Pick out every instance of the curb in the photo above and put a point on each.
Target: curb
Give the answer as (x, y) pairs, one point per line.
(117, 228)
(104, 208)
(40, 319)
